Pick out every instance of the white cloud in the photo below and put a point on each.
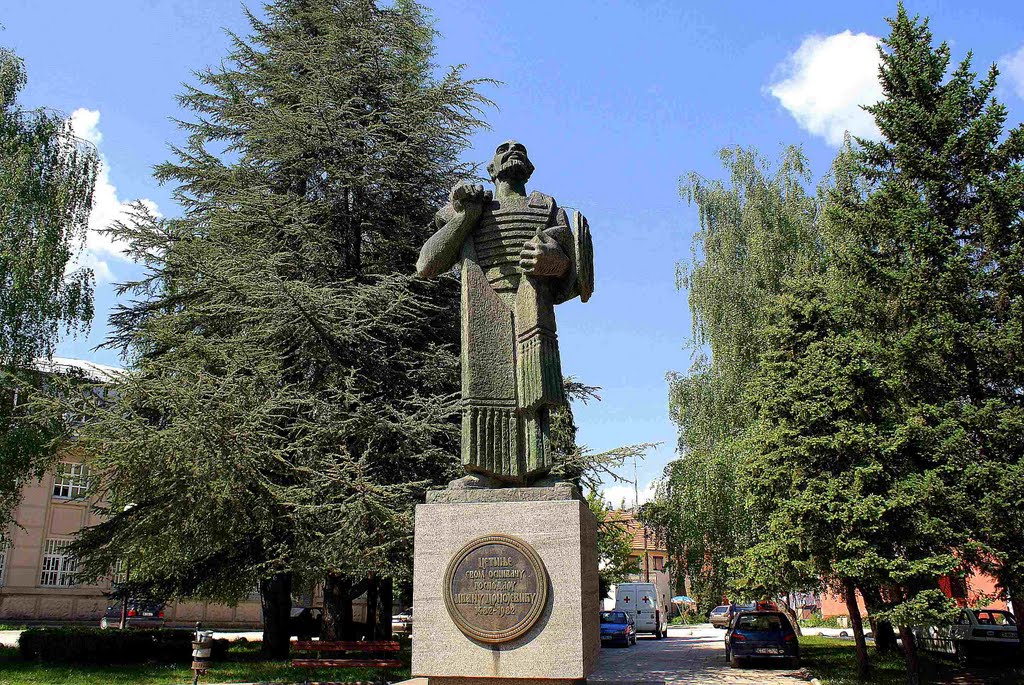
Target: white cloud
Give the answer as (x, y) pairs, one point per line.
(100, 249)
(1012, 66)
(824, 83)
(85, 124)
(620, 494)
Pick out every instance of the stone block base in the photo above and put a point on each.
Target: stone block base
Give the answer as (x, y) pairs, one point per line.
(563, 646)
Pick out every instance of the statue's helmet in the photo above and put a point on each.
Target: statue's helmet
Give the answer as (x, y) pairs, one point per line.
(510, 161)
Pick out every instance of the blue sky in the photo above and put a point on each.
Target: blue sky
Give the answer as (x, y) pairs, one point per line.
(615, 100)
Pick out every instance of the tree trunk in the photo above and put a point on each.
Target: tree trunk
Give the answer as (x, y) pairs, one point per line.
(372, 596)
(858, 628)
(337, 623)
(885, 636)
(910, 656)
(276, 599)
(385, 601)
(791, 612)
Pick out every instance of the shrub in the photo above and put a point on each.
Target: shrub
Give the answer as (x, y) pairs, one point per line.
(96, 646)
(687, 619)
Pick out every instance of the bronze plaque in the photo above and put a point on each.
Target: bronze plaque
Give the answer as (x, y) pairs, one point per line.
(495, 588)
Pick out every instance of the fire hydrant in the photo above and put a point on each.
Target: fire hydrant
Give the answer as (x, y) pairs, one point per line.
(202, 649)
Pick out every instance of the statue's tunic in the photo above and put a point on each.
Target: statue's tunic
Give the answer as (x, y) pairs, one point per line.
(511, 373)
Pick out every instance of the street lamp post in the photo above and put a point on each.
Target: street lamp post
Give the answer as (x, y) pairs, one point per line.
(124, 584)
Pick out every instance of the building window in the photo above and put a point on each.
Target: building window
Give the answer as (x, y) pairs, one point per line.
(659, 563)
(59, 567)
(118, 576)
(71, 480)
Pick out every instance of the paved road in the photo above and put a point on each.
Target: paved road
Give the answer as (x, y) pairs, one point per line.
(688, 656)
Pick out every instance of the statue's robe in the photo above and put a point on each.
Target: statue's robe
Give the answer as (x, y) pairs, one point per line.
(511, 372)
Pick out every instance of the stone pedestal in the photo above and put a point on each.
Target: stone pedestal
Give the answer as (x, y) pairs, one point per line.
(564, 643)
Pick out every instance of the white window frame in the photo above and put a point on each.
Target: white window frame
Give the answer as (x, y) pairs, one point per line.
(59, 567)
(118, 575)
(71, 480)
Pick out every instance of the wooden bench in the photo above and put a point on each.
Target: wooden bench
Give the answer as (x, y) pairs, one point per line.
(383, 655)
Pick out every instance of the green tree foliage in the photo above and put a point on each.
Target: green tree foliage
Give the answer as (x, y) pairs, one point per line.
(945, 217)
(616, 562)
(293, 389)
(755, 230)
(890, 396)
(46, 186)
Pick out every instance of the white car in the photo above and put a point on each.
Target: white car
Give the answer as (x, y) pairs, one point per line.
(402, 623)
(977, 632)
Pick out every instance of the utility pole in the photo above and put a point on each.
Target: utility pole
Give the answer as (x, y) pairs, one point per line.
(636, 510)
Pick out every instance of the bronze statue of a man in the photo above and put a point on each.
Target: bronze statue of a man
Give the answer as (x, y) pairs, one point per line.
(519, 257)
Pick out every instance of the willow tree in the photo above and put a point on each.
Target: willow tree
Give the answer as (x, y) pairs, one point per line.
(292, 389)
(47, 178)
(756, 228)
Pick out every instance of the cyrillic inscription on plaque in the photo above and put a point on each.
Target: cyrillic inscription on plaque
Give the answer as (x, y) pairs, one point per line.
(495, 588)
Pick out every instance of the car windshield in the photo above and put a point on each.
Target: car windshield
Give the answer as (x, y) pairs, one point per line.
(759, 622)
(613, 617)
(991, 617)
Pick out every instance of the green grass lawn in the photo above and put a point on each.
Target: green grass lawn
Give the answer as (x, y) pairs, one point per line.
(834, 662)
(242, 666)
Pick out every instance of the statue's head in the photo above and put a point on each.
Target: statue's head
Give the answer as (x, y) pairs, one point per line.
(510, 163)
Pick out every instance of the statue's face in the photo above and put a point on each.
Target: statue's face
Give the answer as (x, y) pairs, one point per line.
(510, 162)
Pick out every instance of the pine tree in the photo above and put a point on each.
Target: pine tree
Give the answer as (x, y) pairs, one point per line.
(934, 274)
(293, 390)
(893, 387)
(47, 178)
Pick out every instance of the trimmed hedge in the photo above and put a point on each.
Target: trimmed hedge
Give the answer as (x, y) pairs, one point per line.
(97, 646)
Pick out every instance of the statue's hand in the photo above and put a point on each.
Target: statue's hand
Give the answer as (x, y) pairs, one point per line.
(542, 256)
(468, 199)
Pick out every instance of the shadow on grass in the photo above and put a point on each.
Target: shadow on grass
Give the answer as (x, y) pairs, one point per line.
(834, 662)
(243, 665)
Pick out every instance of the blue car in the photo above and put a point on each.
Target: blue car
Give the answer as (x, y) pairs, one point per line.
(765, 635)
(617, 627)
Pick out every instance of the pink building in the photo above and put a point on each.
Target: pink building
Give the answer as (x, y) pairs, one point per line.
(977, 588)
(37, 575)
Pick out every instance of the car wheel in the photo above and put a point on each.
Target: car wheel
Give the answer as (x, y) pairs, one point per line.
(794, 663)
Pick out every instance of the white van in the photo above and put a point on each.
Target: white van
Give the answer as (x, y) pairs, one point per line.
(641, 601)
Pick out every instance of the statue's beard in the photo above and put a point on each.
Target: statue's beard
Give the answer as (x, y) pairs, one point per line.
(514, 169)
